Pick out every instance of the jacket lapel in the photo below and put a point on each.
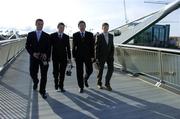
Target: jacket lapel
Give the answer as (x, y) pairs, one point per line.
(35, 37)
(109, 41)
(104, 40)
(41, 36)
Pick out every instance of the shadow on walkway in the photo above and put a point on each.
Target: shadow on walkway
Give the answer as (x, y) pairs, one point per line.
(35, 106)
(64, 111)
(104, 106)
(13, 102)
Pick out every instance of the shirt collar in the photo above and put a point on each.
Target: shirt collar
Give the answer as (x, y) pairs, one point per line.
(39, 31)
(105, 33)
(82, 32)
(60, 33)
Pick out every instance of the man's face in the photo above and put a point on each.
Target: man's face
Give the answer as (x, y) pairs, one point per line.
(105, 28)
(61, 28)
(82, 27)
(39, 25)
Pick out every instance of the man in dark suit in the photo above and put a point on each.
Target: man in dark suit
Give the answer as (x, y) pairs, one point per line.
(60, 55)
(83, 53)
(38, 46)
(104, 53)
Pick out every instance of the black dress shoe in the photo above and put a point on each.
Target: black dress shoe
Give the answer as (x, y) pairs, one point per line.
(108, 87)
(62, 90)
(81, 90)
(44, 96)
(35, 86)
(86, 83)
(56, 87)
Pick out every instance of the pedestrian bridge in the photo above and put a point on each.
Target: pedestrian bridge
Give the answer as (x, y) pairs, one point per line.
(145, 84)
(131, 98)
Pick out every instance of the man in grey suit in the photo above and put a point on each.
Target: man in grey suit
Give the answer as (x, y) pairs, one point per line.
(104, 53)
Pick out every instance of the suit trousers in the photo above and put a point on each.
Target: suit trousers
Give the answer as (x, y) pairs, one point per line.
(34, 69)
(80, 71)
(59, 69)
(110, 69)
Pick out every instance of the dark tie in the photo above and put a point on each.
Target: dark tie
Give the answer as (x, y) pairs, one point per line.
(60, 36)
(38, 35)
(82, 35)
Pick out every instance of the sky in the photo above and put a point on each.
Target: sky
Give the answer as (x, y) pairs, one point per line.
(21, 14)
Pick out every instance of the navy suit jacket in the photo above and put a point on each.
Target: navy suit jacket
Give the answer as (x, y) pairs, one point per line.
(41, 46)
(83, 48)
(60, 47)
(104, 51)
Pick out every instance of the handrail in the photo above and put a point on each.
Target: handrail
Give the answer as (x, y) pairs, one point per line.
(150, 48)
(9, 40)
(160, 64)
(9, 49)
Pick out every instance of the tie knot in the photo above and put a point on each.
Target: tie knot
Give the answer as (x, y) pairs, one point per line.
(60, 35)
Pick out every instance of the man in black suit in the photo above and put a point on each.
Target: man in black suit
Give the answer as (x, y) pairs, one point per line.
(60, 55)
(38, 47)
(83, 53)
(104, 53)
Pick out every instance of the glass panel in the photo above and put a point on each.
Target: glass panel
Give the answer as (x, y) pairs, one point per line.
(165, 33)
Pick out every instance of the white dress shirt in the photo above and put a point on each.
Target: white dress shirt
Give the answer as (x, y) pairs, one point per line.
(60, 34)
(38, 34)
(106, 37)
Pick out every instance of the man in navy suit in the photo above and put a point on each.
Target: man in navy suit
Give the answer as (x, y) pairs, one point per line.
(83, 53)
(104, 53)
(61, 55)
(38, 47)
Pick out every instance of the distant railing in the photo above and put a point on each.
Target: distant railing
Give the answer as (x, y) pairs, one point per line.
(9, 49)
(161, 64)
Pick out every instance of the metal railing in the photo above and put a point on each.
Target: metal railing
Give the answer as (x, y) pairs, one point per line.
(159, 63)
(9, 49)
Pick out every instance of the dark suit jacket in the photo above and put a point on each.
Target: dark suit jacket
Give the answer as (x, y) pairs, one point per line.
(104, 51)
(60, 47)
(83, 48)
(43, 46)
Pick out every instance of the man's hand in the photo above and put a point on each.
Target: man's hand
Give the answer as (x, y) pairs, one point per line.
(74, 59)
(36, 55)
(97, 60)
(92, 60)
(69, 61)
(96, 64)
(44, 57)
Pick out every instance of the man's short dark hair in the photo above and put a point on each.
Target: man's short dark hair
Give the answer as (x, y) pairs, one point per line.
(81, 22)
(105, 24)
(61, 23)
(39, 20)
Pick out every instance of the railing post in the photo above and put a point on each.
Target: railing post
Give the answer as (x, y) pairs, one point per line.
(123, 59)
(161, 67)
